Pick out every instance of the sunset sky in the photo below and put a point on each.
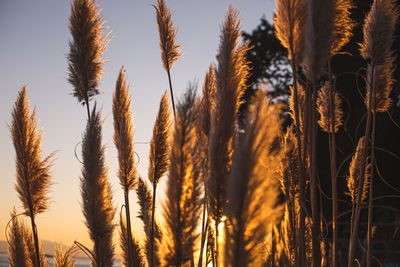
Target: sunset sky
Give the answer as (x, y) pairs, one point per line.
(34, 45)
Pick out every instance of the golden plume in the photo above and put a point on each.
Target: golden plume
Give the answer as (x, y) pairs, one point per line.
(33, 173)
(379, 27)
(159, 144)
(320, 25)
(289, 22)
(353, 180)
(324, 109)
(182, 203)
(17, 237)
(123, 140)
(96, 193)
(123, 133)
(158, 158)
(253, 190)
(137, 257)
(301, 102)
(343, 25)
(85, 62)
(231, 74)
(145, 201)
(64, 257)
(169, 50)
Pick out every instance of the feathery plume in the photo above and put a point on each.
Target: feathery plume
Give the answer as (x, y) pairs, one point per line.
(96, 193)
(289, 22)
(123, 140)
(204, 105)
(145, 201)
(33, 173)
(382, 85)
(324, 109)
(289, 174)
(159, 144)
(17, 236)
(301, 102)
(169, 50)
(181, 207)
(64, 257)
(318, 36)
(85, 62)
(231, 75)
(137, 257)
(123, 133)
(379, 26)
(252, 192)
(342, 25)
(207, 98)
(158, 157)
(353, 180)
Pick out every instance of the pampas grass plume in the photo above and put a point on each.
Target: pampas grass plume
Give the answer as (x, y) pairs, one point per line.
(33, 173)
(353, 179)
(96, 193)
(85, 59)
(159, 144)
(123, 133)
(17, 236)
(181, 207)
(324, 109)
(137, 257)
(253, 189)
(64, 257)
(169, 50)
(289, 22)
(145, 201)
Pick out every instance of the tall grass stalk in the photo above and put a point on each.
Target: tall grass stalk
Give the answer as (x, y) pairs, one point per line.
(123, 140)
(158, 158)
(96, 193)
(145, 201)
(33, 173)
(252, 191)
(203, 117)
(85, 62)
(289, 24)
(379, 26)
(231, 74)
(169, 50)
(182, 204)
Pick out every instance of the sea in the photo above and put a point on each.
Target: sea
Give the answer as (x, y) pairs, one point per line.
(80, 262)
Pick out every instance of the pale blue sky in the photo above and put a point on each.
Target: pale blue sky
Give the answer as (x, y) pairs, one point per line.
(34, 42)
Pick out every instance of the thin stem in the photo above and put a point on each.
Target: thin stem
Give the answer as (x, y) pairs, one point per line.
(152, 226)
(371, 192)
(313, 189)
(204, 225)
(354, 225)
(128, 228)
(87, 107)
(170, 90)
(332, 142)
(35, 237)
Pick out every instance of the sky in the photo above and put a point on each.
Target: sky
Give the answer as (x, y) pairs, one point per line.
(34, 45)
